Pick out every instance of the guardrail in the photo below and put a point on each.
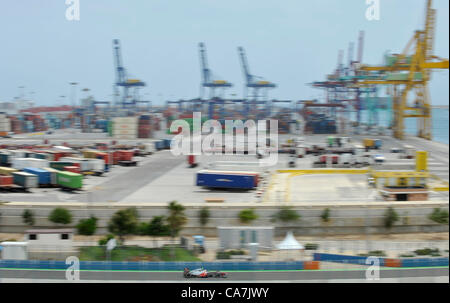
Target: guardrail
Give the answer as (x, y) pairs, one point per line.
(387, 262)
(156, 266)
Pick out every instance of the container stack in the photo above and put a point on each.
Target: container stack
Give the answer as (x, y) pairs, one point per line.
(16, 125)
(125, 128)
(144, 128)
(5, 125)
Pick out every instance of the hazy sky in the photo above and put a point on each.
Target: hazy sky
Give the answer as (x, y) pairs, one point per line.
(289, 42)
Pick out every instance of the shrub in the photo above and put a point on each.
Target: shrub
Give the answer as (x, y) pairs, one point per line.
(390, 217)
(439, 216)
(60, 216)
(204, 216)
(426, 251)
(374, 253)
(311, 246)
(157, 227)
(286, 214)
(124, 222)
(325, 216)
(87, 227)
(247, 216)
(28, 217)
(105, 239)
(176, 219)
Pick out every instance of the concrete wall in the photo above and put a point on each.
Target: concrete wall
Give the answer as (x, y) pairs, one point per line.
(345, 218)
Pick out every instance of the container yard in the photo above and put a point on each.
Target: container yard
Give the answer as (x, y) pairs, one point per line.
(352, 158)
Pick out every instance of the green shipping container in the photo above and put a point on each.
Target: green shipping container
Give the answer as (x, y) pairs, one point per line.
(60, 165)
(69, 180)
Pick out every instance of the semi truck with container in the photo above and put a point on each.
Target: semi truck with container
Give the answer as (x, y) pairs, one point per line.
(25, 180)
(69, 181)
(227, 180)
(44, 177)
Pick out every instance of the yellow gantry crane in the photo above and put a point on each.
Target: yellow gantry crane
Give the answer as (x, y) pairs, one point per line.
(409, 72)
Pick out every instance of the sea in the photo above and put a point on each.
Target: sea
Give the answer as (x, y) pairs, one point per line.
(440, 123)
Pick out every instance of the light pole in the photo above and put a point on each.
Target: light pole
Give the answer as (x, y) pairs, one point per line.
(73, 93)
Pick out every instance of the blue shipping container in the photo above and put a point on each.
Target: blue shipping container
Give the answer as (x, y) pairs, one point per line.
(159, 145)
(167, 143)
(378, 143)
(225, 181)
(44, 177)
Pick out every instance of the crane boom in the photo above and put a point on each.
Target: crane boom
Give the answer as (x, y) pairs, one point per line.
(121, 73)
(244, 63)
(206, 73)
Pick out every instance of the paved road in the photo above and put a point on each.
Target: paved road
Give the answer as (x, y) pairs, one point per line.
(300, 276)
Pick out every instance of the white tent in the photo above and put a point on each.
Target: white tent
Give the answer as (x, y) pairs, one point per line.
(289, 242)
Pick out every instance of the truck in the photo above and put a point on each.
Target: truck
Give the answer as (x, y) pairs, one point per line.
(69, 181)
(44, 176)
(25, 180)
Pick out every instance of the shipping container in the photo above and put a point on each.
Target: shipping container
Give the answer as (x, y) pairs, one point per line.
(73, 169)
(59, 165)
(53, 172)
(26, 180)
(96, 165)
(6, 181)
(7, 170)
(44, 177)
(69, 180)
(82, 163)
(5, 158)
(230, 180)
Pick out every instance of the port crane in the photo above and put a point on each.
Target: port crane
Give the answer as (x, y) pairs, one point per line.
(259, 87)
(208, 80)
(122, 81)
(410, 72)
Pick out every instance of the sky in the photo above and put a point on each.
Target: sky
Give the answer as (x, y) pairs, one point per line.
(288, 42)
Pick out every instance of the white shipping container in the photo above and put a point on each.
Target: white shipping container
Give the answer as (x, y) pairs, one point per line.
(38, 163)
(125, 120)
(84, 164)
(125, 137)
(21, 163)
(125, 127)
(17, 153)
(96, 165)
(149, 147)
(125, 132)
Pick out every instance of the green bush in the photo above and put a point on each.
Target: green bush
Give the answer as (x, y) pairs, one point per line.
(204, 215)
(28, 217)
(247, 215)
(406, 256)
(87, 227)
(325, 216)
(157, 227)
(311, 246)
(390, 218)
(374, 253)
(105, 239)
(286, 214)
(60, 216)
(124, 222)
(439, 216)
(426, 251)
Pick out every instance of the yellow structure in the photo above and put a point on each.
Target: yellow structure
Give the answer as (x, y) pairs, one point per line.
(409, 72)
(422, 161)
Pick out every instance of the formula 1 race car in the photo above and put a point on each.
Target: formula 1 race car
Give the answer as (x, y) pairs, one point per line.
(202, 273)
